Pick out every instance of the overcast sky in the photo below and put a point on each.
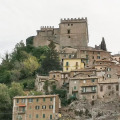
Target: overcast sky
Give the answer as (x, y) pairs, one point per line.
(20, 19)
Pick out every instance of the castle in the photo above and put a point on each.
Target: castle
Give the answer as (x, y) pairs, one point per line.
(71, 33)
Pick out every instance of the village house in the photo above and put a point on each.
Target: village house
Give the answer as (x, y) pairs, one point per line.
(108, 89)
(90, 55)
(72, 64)
(83, 87)
(43, 107)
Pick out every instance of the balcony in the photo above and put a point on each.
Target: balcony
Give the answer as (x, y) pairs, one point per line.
(21, 111)
(86, 92)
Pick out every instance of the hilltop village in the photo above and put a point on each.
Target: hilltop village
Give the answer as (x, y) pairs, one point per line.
(90, 75)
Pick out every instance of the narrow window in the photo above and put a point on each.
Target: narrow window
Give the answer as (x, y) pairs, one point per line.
(43, 115)
(67, 63)
(50, 117)
(68, 31)
(51, 99)
(101, 88)
(37, 116)
(37, 100)
(117, 87)
(30, 116)
(109, 87)
(74, 87)
(44, 99)
(30, 100)
(17, 100)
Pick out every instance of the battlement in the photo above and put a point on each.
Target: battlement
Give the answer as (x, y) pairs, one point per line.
(47, 28)
(74, 20)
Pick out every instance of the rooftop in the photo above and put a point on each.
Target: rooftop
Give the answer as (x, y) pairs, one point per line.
(38, 96)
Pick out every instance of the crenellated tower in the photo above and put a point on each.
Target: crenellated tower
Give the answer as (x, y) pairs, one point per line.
(74, 32)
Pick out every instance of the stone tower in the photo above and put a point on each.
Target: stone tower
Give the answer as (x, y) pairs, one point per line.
(71, 33)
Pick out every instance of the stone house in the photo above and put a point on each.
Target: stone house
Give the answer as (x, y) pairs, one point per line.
(90, 55)
(42, 107)
(108, 89)
(40, 82)
(83, 87)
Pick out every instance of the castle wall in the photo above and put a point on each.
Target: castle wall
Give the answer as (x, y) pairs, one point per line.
(71, 32)
(74, 33)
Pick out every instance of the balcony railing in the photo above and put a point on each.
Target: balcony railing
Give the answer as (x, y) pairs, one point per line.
(85, 92)
(21, 111)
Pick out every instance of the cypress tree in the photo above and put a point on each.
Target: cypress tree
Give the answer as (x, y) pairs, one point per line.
(103, 44)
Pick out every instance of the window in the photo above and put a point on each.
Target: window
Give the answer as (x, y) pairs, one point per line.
(37, 100)
(53, 76)
(17, 100)
(71, 24)
(69, 56)
(23, 100)
(84, 81)
(68, 36)
(117, 87)
(67, 63)
(37, 107)
(67, 68)
(108, 75)
(44, 99)
(30, 116)
(43, 115)
(108, 69)
(101, 88)
(93, 88)
(92, 57)
(84, 89)
(98, 57)
(50, 106)
(30, 100)
(50, 116)
(44, 107)
(68, 24)
(37, 116)
(51, 99)
(68, 31)
(76, 63)
(109, 87)
(93, 80)
(74, 87)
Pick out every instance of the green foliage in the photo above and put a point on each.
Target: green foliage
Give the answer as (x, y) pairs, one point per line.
(28, 84)
(103, 44)
(35, 93)
(51, 61)
(15, 90)
(5, 103)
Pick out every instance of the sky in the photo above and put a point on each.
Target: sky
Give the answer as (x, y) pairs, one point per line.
(20, 19)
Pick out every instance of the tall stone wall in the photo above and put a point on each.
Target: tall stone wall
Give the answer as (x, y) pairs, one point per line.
(71, 32)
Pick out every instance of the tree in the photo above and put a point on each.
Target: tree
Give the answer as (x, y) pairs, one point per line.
(30, 65)
(15, 90)
(51, 60)
(5, 103)
(103, 44)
